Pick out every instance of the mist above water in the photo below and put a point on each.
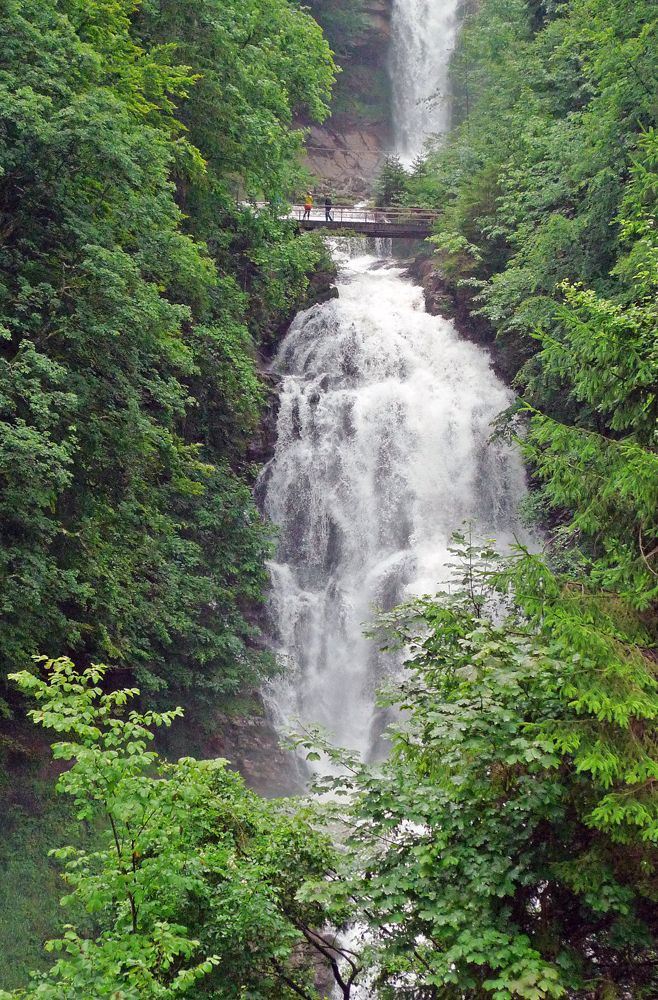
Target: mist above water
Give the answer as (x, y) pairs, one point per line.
(423, 35)
(381, 454)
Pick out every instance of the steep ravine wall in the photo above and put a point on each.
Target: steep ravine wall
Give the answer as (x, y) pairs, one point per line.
(345, 154)
(443, 297)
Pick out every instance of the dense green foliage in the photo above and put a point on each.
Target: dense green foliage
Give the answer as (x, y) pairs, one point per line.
(549, 182)
(529, 766)
(528, 770)
(194, 883)
(35, 820)
(391, 182)
(134, 289)
(508, 848)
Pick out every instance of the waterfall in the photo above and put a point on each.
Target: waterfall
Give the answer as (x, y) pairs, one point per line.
(381, 454)
(423, 34)
(382, 434)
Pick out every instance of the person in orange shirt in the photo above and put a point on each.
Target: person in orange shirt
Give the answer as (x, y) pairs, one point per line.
(308, 205)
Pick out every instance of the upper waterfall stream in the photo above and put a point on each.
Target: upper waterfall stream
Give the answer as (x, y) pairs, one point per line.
(423, 35)
(381, 454)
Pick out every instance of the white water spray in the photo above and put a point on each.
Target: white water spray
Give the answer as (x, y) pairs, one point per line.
(381, 454)
(423, 35)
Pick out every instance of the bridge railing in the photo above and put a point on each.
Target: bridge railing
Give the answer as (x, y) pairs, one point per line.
(382, 216)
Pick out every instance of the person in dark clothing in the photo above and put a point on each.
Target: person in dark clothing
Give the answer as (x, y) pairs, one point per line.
(327, 209)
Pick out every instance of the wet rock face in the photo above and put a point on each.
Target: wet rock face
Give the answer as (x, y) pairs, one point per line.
(251, 745)
(242, 734)
(346, 152)
(373, 46)
(445, 298)
(346, 157)
(323, 977)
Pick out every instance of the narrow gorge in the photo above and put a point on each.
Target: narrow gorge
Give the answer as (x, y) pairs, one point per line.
(382, 442)
(237, 436)
(381, 454)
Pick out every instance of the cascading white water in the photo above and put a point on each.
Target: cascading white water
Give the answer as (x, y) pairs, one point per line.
(381, 441)
(381, 454)
(423, 34)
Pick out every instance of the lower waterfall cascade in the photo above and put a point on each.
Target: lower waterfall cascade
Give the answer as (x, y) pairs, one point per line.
(382, 452)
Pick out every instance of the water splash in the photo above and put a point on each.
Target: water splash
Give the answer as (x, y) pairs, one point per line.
(423, 35)
(381, 453)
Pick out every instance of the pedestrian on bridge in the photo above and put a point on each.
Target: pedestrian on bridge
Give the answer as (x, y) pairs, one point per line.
(327, 209)
(308, 205)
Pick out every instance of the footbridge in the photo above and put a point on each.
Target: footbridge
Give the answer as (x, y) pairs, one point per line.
(403, 223)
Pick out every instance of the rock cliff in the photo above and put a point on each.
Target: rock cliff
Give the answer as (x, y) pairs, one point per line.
(344, 155)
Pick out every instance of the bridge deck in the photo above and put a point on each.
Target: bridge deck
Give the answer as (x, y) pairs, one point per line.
(384, 230)
(402, 223)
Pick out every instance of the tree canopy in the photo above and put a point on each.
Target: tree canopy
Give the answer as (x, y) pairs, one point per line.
(136, 281)
(526, 775)
(195, 880)
(506, 849)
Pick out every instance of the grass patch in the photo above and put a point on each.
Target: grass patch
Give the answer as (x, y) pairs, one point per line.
(35, 819)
